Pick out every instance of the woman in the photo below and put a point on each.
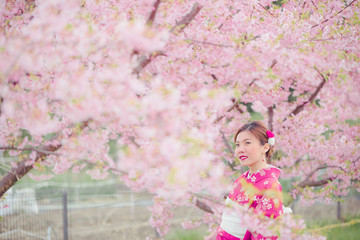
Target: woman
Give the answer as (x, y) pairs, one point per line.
(258, 188)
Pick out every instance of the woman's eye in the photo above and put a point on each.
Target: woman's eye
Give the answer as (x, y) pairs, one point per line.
(237, 144)
(248, 142)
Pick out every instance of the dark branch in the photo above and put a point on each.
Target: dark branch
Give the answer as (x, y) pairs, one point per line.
(300, 107)
(219, 118)
(144, 60)
(207, 197)
(179, 27)
(214, 77)
(217, 66)
(237, 106)
(210, 43)
(271, 117)
(266, 9)
(1, 101)
(151, 17)
(235, 103)
(227, 144)
(316, 183)
(334, 14)
(273, 63)
(21, 170)
(29, 149)
(203, 206)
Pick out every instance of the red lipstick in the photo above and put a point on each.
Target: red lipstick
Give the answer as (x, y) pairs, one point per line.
(243, 157)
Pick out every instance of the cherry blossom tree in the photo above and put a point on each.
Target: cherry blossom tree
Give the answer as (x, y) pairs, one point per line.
(152, 91)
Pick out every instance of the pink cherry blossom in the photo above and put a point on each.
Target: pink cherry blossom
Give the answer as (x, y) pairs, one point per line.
(154, 93)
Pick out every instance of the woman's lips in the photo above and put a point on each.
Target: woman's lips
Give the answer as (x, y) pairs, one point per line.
(242, 158)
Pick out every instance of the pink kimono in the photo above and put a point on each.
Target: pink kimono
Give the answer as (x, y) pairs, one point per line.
(261, 191)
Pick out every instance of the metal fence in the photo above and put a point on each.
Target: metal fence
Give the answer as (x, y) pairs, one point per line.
(59, 212)
(53, 211)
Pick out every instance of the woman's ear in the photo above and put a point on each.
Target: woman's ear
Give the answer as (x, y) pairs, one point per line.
(266, 147)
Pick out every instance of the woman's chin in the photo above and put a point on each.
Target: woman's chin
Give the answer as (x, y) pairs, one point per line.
(244, 164)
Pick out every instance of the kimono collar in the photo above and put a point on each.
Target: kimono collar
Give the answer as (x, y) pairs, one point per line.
(269, 171)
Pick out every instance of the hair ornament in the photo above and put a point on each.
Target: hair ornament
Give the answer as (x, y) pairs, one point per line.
(271, 138)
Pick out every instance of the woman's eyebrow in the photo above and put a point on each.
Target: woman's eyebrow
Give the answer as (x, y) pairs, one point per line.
(244, 139)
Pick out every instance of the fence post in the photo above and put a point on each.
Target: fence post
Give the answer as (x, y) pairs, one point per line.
(48, 237)
(339, 210)
(65, 215)
(132, 213)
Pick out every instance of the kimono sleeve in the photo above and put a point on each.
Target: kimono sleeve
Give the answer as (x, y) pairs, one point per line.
(271, 201)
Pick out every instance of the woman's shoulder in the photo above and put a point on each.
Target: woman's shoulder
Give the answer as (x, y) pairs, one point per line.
(269, 183)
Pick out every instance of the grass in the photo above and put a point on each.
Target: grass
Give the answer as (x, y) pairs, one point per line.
(332, 229)
(190, 234)
(337, 230)
(344, 233)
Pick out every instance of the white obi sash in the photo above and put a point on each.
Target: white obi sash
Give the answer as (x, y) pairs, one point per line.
(230, 221)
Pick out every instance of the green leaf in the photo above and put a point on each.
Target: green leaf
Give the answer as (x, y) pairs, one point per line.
(353, 122)
(255, 116)
(25, 133)
(327, 133)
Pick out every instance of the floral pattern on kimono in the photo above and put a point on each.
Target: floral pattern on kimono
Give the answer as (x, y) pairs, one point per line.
(260, 191)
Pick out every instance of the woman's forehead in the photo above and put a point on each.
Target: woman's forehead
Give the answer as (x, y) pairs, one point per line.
(244, 135)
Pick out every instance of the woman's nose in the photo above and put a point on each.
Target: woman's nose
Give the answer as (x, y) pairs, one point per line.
(239, 150)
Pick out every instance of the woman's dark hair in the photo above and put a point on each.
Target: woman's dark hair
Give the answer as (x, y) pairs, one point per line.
(258, 129)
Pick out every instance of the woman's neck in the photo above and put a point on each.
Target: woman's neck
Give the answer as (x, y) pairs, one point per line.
(257, 166)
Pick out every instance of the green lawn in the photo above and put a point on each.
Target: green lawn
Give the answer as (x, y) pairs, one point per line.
(333, 230)
(344, 233)
(190, 234)
(338, 230)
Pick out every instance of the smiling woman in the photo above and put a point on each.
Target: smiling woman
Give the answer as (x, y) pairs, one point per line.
(253, 146)
(257, 189)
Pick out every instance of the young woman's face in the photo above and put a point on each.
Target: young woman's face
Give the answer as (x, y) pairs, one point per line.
(249, 149)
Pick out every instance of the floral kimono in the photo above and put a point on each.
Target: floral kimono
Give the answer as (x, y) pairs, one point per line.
(261, 191)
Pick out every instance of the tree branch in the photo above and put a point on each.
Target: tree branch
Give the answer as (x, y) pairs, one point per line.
(29, 149)
(1, 102)
(227, 144)
(236, 103)
(207, 197)
(179, 27)
(266, 9)
(143, 60)
(314, 183)
(334, 14)
(237, 106)
(300, 107)
(210, 43)
(22, 169)
(273, 63)
(271, 117)
(151, 17)
(203, 206)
